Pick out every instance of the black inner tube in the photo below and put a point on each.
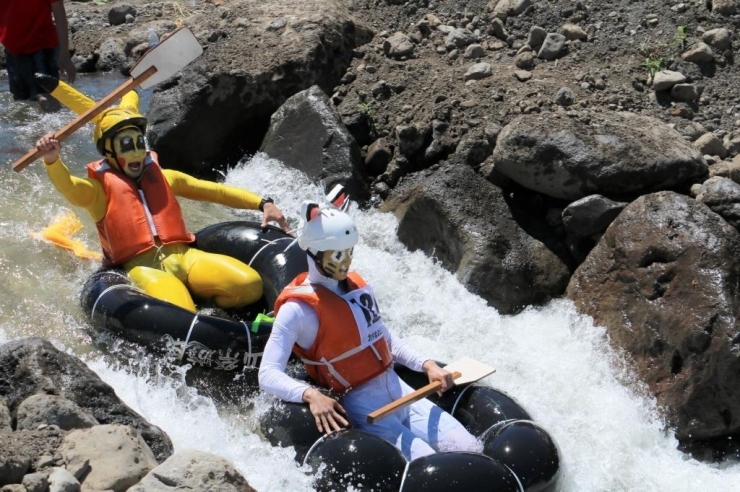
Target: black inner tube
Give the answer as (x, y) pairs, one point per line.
(227, 343)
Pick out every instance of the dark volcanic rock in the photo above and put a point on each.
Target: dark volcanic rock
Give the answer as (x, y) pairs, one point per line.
(34, 366)
(613, 154)
(497, 249)
(665, 280)
(219, 108)
(306, 133)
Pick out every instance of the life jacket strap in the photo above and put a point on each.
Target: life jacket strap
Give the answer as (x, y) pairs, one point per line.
(329, 364)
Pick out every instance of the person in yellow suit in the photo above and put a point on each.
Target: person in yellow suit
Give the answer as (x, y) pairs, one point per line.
(139, 221)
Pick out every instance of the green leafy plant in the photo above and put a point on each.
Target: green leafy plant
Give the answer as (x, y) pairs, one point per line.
(681, 36)
(369, 116)
(656, 56)
(366, 107)
(653, 64)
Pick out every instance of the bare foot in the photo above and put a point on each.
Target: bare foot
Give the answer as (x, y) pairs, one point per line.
(48, 104)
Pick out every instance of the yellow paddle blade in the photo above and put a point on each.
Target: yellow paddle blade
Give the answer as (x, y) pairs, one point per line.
(59, 233)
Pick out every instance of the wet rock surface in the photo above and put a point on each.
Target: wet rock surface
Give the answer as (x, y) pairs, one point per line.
(50, 440)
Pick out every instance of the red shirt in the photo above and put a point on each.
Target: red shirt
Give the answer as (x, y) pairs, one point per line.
(26, 26)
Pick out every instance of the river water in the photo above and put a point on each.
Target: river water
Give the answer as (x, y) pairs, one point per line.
(554, 362)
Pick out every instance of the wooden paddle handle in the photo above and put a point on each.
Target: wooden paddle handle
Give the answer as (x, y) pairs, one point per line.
(407, 400)
(86, 117)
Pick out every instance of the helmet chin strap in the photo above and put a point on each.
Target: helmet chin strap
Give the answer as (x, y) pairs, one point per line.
(113, 160)
(111, 155)
(317, 257)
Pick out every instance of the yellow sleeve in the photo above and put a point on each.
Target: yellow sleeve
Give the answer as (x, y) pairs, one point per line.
(187, 186)
(81, 192)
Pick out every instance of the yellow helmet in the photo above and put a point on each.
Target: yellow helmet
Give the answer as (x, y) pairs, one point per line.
(115, 119)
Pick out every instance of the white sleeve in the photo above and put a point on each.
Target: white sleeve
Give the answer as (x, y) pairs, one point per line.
(296, 322)
(403, 353)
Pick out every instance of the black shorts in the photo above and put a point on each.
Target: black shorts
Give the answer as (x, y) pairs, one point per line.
(22, 67)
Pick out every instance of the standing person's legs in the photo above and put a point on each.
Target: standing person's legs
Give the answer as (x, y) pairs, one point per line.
(21, 70)
(18, 88)
(46, 61)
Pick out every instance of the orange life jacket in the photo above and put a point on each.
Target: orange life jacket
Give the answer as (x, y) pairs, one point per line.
(125, 231)
(350, 348)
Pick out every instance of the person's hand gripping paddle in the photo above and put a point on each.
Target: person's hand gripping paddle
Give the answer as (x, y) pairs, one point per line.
(463, 371)
(160, 63)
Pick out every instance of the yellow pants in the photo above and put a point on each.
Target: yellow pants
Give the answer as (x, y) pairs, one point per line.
(171, 273)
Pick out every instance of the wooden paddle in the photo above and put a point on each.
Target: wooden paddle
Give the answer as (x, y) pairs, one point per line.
(158, 64)
(463, 371)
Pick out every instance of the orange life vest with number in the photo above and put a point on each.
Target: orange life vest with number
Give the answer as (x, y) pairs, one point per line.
(350, 348)
(125, 231)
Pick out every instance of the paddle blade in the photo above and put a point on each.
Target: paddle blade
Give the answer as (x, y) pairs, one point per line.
(170, 56)
(159, 63)
(470, 370)
(463, 371)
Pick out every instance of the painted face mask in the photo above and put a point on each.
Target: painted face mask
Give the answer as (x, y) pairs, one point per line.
(336, 263)
(130, 151)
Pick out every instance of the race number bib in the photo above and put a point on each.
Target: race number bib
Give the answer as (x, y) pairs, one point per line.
(367, 314)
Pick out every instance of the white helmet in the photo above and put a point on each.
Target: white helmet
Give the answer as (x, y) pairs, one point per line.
(328, 228)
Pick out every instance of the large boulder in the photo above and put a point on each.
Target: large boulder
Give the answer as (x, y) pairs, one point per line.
(665, 280)
(613, 154)
(114, 457)
(306, 133)
(33, 366)
(219, 108)
(39, 410)
(480, 237)
(191, 469)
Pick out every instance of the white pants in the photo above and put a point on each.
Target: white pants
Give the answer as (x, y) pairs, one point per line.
(418, 430)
